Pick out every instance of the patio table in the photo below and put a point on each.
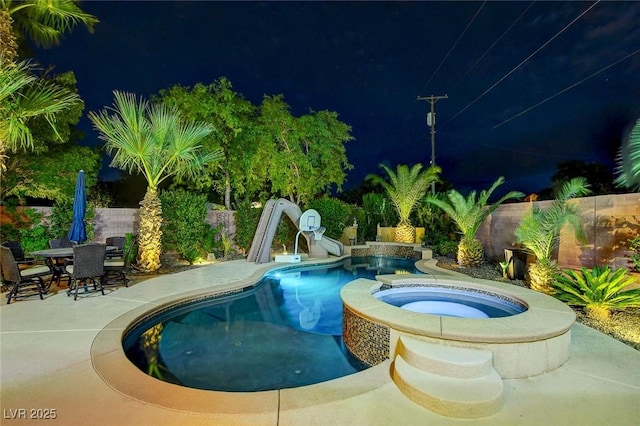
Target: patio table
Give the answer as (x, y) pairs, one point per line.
(52, 259)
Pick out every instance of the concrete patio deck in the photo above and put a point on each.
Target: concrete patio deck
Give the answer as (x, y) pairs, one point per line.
(47, 369)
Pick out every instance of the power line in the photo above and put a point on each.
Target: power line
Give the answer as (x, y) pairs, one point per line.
(474, 140)
(535, 153)
(495, 42)
(522, 63)
(566, 89)
(454, 45)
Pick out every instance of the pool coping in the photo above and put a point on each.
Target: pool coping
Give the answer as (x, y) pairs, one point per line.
(111, 364)
(114, 368)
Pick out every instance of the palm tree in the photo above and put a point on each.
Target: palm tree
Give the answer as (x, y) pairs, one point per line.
(405, 189)
(539, 232)
(22, 97)
(468, 214)
(155, 141)
(43, 21)
(629, 161)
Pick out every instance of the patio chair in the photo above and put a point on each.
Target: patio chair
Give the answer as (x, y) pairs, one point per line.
(88, 266)
(16, 250)
(28, 279)
(60, 243)
(116, 242)
(58, 265)
(23, 260)
(116, 266)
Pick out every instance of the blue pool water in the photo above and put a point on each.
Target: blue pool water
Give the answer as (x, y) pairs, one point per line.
(451, 301)
(284, 332)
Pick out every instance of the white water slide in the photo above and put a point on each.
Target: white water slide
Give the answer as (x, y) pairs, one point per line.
(271, 215)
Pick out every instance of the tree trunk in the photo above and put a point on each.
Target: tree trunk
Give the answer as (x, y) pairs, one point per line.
(405, 233)
(8, 43)
(150, 235)
(227, 191)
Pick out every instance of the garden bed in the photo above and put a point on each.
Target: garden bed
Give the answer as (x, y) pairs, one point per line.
(622, 326)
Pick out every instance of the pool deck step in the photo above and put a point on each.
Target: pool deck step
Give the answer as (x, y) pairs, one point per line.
(451, 381)
(443, 360)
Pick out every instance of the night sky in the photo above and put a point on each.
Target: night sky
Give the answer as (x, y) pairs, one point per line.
(529, 84)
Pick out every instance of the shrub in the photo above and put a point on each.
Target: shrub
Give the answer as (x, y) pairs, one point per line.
(440, 231)
(24, 218)
(335, 214)
(210, 241)
(61, 218)
(34, 238)
(247, 219)
(378, 210)
(446, 248)
(285, 235)
(184, 228)
(130, 249)
(598, 290)
(26, 227)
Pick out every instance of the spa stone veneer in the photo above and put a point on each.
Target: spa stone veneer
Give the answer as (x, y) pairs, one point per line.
(408, 251)
(368, 341)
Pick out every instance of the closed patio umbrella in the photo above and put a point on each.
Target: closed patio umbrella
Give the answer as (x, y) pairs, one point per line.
(78, 233)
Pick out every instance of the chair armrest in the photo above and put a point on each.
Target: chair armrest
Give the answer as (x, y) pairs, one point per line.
(30, 261)
(114, 253)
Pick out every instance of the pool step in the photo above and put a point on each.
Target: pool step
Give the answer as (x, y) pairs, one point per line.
(451, 381)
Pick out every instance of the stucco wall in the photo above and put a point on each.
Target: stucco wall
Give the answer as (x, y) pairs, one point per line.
(113, 222)
(608, 221)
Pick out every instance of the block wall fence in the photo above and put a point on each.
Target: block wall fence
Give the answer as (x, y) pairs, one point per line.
(112, 222)
(609, 221)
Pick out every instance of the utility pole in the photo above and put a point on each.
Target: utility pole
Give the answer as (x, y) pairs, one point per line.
(431, 122)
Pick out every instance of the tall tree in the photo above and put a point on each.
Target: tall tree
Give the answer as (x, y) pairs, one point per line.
(51, 175)
(229, 114)
(405, 188)
(157, 142)
(468, 214)
(306, 155)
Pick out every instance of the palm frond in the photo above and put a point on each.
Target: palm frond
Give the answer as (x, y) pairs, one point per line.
(406, 186)
(152, 139)
(469, 213)
(540, 230)
(628, 167)
(45, 21)
(24, 96)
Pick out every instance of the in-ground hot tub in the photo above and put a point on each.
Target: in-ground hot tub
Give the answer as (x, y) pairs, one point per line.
(529, 343)
(451, 301)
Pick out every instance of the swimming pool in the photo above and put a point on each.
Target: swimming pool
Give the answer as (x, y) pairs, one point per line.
(283, 332)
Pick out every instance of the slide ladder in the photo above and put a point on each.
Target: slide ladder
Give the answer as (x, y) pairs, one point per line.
(258, 238)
